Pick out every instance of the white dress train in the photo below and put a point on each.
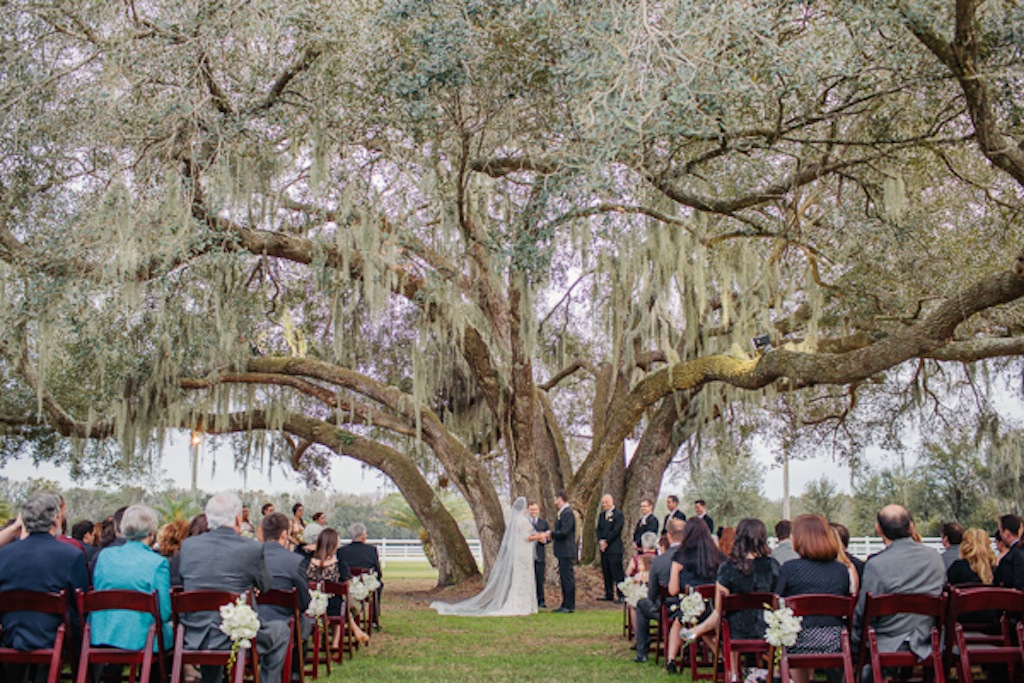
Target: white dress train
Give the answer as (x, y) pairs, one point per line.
(510, 589)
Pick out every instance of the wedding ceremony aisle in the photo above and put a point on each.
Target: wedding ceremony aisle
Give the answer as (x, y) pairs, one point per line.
(416, 644)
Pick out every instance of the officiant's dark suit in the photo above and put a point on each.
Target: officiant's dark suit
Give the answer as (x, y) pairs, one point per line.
(609, 530)
(221, 559)
(564, 537)
(540, 525)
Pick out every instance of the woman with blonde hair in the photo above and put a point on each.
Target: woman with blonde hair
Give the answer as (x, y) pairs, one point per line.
(977, 560)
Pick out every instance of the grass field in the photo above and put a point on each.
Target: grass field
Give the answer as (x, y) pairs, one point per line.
(416, 644)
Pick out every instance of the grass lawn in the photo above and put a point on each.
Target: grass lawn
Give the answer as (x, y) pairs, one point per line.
(418, 645)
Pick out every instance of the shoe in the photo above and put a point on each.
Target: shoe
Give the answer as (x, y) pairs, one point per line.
(564, 610)
(671, 668)
(605, 599)
(640, 658)
(541, 605)
(687, 635)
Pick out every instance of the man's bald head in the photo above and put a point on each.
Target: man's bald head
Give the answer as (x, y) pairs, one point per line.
(894, 522)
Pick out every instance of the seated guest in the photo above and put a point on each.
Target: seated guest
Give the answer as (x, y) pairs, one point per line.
(196, 527)
(694, 563)
(287, 570)
(726, 537)
(784, 551)
(41, 563)
(222, 559)
(815, 570)
(640, 563)
(847, 561)
(1010, 570)
(358, 553)
(170, 536)
(658, 576)
(976, 565)
(132, 566)
(82, 531)
(977, 560)
(325, 566)
(749, 569)
(906, 567)
(844, 537)
(952, 536)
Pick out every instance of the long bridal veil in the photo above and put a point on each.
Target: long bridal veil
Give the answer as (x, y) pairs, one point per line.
(510, 587)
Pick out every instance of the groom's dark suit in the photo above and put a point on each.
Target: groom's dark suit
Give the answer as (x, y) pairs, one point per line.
(539, 558)
(564, 536)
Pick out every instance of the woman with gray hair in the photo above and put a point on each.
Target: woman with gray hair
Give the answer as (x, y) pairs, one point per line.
(132, 566)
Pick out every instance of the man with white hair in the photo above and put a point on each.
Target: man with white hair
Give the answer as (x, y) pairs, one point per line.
(42, 564)
(222, 559)
(360, 554)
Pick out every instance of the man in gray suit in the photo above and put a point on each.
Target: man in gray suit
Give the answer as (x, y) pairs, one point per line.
(659, 574)
(224, 560)
(903, 566)
(784, 551)
(287, 570)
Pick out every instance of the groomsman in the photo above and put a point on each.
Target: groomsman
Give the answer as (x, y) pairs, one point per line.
(609, 542)
(540, 526)
(648, 522)
(564, 536)
(672, 503)
(701, 508)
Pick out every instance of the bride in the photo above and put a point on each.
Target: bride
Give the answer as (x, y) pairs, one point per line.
(510, 589)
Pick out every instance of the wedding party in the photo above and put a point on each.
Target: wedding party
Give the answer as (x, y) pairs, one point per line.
(511, 340)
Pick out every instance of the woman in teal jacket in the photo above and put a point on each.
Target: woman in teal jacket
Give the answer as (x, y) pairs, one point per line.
(132, 566)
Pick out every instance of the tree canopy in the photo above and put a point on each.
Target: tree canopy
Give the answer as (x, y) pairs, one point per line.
(480, 244)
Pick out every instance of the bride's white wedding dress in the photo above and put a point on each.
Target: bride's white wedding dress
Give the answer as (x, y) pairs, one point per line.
(510, 589)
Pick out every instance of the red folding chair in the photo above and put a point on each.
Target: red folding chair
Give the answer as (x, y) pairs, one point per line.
(187, 602)
(826, 606)
(877, 606)
(289, 599)
(985, 642)
(140, 662)
(46, 603)
(729, 646)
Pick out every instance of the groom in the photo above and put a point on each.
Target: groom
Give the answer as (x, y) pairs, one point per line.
(564, 536)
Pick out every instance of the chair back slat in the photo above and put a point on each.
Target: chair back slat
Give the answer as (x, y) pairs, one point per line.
(888, 604)
(201, 600)
(279, 597)
(132, 601)
(31, 601)
(335, 588)
(734, 602)
(988, 598)
(821, 604)
(359, 571)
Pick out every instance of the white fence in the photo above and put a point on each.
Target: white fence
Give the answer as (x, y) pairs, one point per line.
(411, 549)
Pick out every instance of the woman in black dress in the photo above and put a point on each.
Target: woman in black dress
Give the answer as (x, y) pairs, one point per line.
(750, 569)
(976, 566)
(695, 563)
(817, 570)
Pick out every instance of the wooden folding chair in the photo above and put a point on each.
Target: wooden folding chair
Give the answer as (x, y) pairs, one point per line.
(140, 662)
(289, 599)
(729, 646)
(186, 602)
(47, 603)
(698, 658)
(984, 642)
(878, 606)
(840, 606)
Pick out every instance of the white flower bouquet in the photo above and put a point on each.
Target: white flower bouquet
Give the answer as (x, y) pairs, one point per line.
(240, 623)
(632, 591)
(692, 608)
(317, 604)
(371, 581)
(781, 626)
(357, 590)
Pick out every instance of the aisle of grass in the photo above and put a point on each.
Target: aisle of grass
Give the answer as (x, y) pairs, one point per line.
(418, 645)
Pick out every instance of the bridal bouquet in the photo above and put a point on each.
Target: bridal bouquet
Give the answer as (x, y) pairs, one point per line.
(632, 591)
(782, 627)
(240, 623)
(692, 608)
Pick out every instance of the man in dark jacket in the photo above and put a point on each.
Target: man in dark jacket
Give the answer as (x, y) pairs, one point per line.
(609, 543)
